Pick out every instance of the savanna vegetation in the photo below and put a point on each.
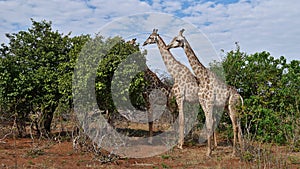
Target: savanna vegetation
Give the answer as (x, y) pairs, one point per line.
(37, 68)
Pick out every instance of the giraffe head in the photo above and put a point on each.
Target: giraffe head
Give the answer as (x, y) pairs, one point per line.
(152, 38)
(178, 41)
(132, 42)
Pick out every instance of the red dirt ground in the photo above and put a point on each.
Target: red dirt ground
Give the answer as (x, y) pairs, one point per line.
(20, 153)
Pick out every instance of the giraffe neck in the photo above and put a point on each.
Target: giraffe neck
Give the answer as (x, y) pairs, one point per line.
(154, 81)
(169, 60)
(198, 68)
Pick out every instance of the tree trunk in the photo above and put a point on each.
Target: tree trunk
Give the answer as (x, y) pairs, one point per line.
(44, 123)
(21, 126)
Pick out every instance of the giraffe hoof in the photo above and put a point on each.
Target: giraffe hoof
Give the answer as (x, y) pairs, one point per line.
(180, 147)
(208, 154)
(233, 154)
(214, 147)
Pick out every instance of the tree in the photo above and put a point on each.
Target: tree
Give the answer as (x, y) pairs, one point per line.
(269, 88)
(109, 64)
(34, 68)
(118, 65)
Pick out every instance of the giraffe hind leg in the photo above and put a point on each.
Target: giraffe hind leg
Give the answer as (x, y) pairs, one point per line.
(233, 117)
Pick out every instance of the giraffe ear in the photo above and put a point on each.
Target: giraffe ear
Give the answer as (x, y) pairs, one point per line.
(181, 31)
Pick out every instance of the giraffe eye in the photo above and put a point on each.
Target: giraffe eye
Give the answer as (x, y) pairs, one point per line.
(177, 40)
(153, 38)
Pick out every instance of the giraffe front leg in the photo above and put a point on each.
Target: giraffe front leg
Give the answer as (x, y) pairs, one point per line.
(209, 122)
(150, 125)
(150, 132)
(209, 127)
(181, 123)
(209, 151)
(215, 131)
(215, 140)
(181, 131)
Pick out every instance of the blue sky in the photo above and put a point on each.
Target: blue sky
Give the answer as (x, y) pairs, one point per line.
(258, 25)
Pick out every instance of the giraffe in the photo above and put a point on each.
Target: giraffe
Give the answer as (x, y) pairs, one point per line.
(132, 42)
(211, 90)
(185, 86)
(150, 96)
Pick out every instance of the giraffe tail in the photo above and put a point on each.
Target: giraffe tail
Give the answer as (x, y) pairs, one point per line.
(242, 100)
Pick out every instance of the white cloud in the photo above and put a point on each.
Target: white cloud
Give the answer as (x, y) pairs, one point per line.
(271, 25)
(171, 6)
(78, 16)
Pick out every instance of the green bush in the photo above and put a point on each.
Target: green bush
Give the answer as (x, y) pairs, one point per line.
(270, 88)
